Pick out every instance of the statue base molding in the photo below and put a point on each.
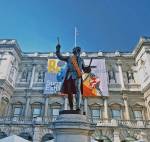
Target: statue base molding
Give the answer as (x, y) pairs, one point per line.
(71, 126)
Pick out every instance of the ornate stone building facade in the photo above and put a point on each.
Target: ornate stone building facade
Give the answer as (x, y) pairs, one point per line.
(122, 116)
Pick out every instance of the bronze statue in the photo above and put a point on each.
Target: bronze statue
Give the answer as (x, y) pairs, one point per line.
(73, 83)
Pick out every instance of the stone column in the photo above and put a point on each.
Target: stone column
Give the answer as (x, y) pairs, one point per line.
(85, 106)
(127, 115)
(32, 76)
(105, 107)
(1, 93)
(9, 109)
(116, 136)
(27, 106)
(46, 107)
(121, 74)
(66, 103)
(148, 108)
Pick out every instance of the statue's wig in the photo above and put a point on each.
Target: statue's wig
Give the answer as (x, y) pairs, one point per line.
(76, 50)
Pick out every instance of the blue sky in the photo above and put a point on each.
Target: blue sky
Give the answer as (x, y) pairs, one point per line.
(103, 25)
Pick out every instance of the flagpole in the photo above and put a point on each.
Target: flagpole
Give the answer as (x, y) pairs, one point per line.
(75, 37)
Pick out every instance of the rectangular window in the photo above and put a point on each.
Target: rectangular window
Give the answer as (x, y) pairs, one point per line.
(95, 115)
(55, 113)
(116, 114)
(111, 76)
(41, 76)
(17, 111)
(130, 77)
(36, 112)
(138, 115)
(24, 76)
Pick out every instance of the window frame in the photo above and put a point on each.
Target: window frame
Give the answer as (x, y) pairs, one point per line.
(118, 117)
(96, 118)
(138, 118)
(36, 106)
(113, 79)
(41, 80)
(51, 108)
(18, 105)
(26, 78)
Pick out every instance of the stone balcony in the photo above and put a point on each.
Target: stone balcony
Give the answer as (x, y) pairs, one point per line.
(133, 124)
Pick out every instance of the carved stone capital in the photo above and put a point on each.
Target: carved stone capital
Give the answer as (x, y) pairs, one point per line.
(119, 62)
(125, 97)
(105, 97)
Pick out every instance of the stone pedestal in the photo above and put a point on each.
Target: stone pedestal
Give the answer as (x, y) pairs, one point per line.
(71, 126)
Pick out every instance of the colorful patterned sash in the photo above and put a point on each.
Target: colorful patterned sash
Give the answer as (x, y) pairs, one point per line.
(76, 66)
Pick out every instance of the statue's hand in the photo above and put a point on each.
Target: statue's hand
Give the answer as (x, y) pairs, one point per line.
(58, 47)
(87, 69)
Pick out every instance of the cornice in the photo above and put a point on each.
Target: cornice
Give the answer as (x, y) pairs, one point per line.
(12, 43)
(143, 41)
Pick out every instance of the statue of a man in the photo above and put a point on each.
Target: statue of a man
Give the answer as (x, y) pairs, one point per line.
(73, 79)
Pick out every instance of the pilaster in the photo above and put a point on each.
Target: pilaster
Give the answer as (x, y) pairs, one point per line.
(127, 115)
(119, 63)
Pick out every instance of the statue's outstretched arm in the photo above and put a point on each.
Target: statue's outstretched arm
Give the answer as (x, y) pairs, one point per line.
(58, 54)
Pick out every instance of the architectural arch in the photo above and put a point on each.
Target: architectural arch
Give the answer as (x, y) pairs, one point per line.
(26, 136)
(102, 136)
(47, 137)
(3, 135)
(129, 139)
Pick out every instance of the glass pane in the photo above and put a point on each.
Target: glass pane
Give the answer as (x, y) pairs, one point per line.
(116, 114)
(17, 111)
(95, 115)
(36, 112)
(138, 115)
(55, 111)
(95, 112)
